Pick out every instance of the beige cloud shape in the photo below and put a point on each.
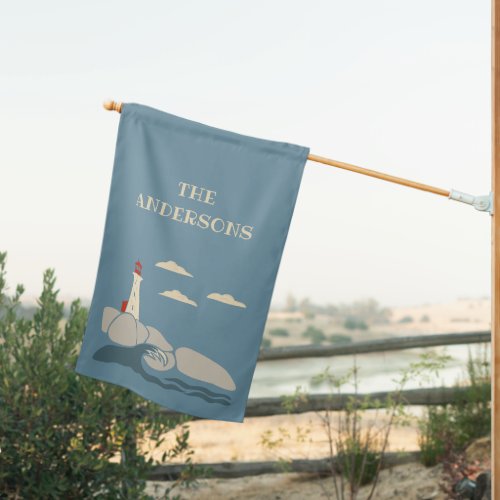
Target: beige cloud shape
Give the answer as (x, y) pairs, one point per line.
(176, 295)
(226, 298)
(172, 266)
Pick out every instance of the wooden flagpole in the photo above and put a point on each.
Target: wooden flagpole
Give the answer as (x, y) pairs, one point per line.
(495, 249)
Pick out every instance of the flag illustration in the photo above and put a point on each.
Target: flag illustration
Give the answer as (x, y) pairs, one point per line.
(195, 228)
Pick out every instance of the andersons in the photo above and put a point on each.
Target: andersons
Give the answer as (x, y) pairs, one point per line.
(192, 217)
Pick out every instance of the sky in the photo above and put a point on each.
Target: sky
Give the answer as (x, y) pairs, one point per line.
(397, 86)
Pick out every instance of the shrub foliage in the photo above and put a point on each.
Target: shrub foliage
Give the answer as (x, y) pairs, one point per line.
(450, 429)
(63, 435)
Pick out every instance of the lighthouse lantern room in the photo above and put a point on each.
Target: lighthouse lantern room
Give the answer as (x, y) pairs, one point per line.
(132, 304)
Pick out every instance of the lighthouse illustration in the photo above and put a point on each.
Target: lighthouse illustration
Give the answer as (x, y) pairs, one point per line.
(132, 304)
(124, 329)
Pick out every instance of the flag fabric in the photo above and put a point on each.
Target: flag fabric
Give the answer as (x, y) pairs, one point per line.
(196, 223)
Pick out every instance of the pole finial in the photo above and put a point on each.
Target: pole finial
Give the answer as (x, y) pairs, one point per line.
(113, 106)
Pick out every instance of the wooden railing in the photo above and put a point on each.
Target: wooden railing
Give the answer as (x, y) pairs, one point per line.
(265, 407)
(371, 346)
(260, 407)
(319, 466)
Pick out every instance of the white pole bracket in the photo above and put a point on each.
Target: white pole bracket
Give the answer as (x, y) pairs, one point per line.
(481, 203)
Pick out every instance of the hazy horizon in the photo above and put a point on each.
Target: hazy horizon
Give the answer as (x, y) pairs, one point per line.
(30, 300)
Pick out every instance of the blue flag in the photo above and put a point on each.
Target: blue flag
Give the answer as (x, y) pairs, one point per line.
(195, 228)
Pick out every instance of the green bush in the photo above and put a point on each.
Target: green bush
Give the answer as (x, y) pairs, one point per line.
(406, 319)
(314, 334)
(436, 435)
(266, 343)
(451, 428)
(279, 332)
(353, 323)
(359, 461)
(338, 338)
(59, 431)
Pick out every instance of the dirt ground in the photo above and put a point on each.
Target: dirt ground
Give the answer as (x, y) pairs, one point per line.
(410, 482)
(300, 437)
(221, 441)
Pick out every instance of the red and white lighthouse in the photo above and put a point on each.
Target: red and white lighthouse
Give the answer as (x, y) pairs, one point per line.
(132, 304)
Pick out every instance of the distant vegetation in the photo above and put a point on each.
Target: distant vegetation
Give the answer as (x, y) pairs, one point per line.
(27, 311)
(359, 314)
(425, 318)
(315, 335)
(406, 319)
(266, 343)
(338, 338)
(279, 332)
(22, 311)
(353, 323)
